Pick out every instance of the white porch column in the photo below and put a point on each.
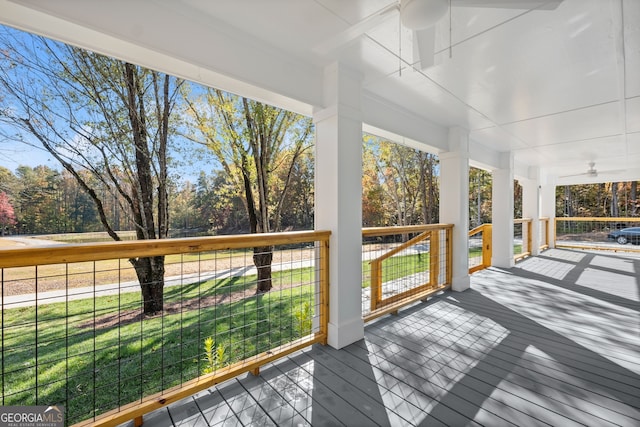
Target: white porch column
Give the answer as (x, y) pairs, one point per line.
(548, 207)
(531, 208)
(502, 213)
(338, 199)
(454, 203)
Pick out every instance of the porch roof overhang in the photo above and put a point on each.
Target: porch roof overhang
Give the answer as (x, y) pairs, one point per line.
(557, 87)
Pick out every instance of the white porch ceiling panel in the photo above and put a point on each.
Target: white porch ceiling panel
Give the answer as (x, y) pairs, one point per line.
(559, 88)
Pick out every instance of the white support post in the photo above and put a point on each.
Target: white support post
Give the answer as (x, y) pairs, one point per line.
(531, 208)
(502, 213)
(338, 196)
(454, 203)
(548, 208)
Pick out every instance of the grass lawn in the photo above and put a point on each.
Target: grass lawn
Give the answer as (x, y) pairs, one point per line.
(397, 267)
(64, 360)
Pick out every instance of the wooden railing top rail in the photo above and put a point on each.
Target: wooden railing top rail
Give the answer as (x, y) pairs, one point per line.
(420, 237)
(25, 257)
(522, 220)
(615, 219)
(478, 229)
(387, 231)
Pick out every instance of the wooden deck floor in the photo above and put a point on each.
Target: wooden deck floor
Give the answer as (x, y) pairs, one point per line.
(553, 341)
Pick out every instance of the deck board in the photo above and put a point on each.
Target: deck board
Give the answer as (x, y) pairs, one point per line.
(553, 341)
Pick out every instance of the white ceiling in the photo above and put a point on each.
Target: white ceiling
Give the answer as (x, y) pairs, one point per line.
(559, 88)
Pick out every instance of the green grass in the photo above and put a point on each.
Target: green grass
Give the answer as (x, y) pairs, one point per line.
(397, 267)
(62, 361)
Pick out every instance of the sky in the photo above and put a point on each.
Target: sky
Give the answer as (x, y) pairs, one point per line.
(13, 155)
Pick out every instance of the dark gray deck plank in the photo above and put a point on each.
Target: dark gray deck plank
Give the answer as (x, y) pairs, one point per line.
(399, 400)
(436, 385)
(299, 385)
(605, 362)
(348, 402)
(606, 407)
(534, 329)
(577, 415)
(214, 408)
(553, 341)
(472, 398)
(187, 413)
(159, 418)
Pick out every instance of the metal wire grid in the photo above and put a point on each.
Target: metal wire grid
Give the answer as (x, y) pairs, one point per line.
(70, 338)
(406, 271)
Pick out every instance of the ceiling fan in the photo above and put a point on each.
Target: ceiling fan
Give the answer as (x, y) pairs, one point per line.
(421, 17)
(592, 172)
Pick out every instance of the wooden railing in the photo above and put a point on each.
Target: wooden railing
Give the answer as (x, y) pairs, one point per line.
(522, 231)
(544, 233)
(404, 264)
(525, 227)
(597, 233)
(482, 261)
(73, 333)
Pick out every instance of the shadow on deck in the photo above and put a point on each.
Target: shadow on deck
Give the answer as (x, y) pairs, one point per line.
(554, 340)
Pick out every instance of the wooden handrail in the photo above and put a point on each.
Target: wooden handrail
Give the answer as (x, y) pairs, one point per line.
(521, 220)
(388, 231)
(25, 257)
(402, 247)
(613, 219)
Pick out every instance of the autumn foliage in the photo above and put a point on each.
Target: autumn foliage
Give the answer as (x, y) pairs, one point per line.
(7, 216)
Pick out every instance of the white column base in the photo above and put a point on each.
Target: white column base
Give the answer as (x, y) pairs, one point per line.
(459, 284)
(503, 262)
(345, 333)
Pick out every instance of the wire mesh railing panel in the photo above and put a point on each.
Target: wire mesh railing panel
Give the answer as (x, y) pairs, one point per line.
(519, 239)
(475, 249)
(89, 337)
(543, 233)
(399, 265)
(601, 233)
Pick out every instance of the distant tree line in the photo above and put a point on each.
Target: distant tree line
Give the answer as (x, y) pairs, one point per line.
(610, 199)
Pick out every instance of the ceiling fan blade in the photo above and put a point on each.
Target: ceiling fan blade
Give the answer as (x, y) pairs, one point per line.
(356, 30)
(613, 171)
(509, 4)
(424, 47)
(575, 174)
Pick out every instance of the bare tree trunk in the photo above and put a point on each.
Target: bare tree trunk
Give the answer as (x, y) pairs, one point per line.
(635, 203)
(423, 186)
(150, 272)
(262, 258)
(432, 192)
(614, 200)
(568, 203)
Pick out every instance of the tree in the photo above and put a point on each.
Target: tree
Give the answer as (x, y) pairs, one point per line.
(98, 117)
(633, 197)
(373, 195)
(614, 208)
(7, 216)
(400, 184)
(259, 147)
(37, 199)
(429, 190)
(480, 202)
(183, 208)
